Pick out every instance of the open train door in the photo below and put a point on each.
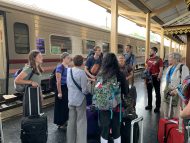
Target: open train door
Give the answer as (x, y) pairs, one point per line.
(3, 56)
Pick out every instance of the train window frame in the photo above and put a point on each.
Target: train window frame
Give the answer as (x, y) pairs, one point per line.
(85, 50)
(103, 47)
(64, 36)
(28, 38)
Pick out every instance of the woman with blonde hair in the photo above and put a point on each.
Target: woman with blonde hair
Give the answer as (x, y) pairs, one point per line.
(175, 74)
(31, 75)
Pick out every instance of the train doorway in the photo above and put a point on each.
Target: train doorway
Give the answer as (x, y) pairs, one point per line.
(3, 58)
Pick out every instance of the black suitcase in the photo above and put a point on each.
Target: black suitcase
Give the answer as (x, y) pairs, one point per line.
(32, 102)
(130, 132)
(34, 130)
(34, 126)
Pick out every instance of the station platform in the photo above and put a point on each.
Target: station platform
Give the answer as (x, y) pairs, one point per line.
(11, 127)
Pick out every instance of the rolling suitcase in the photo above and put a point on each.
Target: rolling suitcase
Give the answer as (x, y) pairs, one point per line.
(175, 135)
(126, 131)
(1, 131)
(93, 130)
(133, 133)
(130, 132)
(170, 130)
(34, 127)
(32, 101)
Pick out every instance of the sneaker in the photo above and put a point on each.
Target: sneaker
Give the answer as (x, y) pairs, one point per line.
(156, 110)
(148, 107)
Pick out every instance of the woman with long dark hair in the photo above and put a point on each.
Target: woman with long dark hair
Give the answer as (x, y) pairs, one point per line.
(111, 118)
(31, 74)
(61, 109)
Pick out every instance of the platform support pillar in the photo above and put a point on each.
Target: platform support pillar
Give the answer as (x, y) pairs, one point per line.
(188, 51)
(147, 50)
(162, 44)
(170, 48)
(114, 26)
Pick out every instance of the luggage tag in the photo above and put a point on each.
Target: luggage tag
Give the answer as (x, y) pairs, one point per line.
(99, 85)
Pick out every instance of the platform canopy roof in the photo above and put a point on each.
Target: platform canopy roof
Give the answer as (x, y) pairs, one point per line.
(172, 15)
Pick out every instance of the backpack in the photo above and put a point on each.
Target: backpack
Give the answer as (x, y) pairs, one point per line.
(52, 79)
(186, 89)
(21, 87)
(107, 95)
(17, 72)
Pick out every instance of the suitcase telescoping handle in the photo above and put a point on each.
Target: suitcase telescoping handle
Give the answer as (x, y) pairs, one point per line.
(38, 100)
(180, 123)
(188, 132)
(1, 131)
(137, 120)
(170, 107)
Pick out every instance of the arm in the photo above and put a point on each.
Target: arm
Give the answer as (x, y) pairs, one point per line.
(88, 73)
(160, 73)
(130, 75)
(58, 82)
(84, 83)
(90, 79)
(20, 80)
(185, 113)
(161, 69)
(185, 72)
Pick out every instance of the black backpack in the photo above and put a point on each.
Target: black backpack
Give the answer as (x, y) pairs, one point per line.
(52, 80)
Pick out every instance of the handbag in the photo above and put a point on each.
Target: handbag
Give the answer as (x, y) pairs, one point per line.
(95, 69)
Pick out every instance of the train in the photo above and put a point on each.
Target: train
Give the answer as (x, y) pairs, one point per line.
(23, 29)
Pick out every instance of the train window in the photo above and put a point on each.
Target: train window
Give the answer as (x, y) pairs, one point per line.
(106, 47)
(120, 49)
(88, 45)
(21, 37)
(60, 44)
(143, 50)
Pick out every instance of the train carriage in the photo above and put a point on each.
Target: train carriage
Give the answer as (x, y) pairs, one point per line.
(22, 30)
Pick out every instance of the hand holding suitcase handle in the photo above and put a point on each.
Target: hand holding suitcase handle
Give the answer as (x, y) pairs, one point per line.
(34, 84)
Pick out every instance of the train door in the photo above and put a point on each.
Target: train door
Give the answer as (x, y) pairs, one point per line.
(3, 58)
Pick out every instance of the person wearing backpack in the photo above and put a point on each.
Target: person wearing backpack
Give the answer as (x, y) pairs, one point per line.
(130, 60)
(93, 63)
(109, 89)
(154, 66)
(30, 75)
(77, 87)
(61, 110)
(175, 75)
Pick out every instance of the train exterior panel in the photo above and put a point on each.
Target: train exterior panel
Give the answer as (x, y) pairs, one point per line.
(28, 29)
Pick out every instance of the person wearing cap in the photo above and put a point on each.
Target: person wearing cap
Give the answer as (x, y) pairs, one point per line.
(61, 109)
(154, 65)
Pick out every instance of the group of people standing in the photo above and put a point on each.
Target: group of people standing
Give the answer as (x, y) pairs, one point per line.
(70, 101)
(73, 83)
(171, 102)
